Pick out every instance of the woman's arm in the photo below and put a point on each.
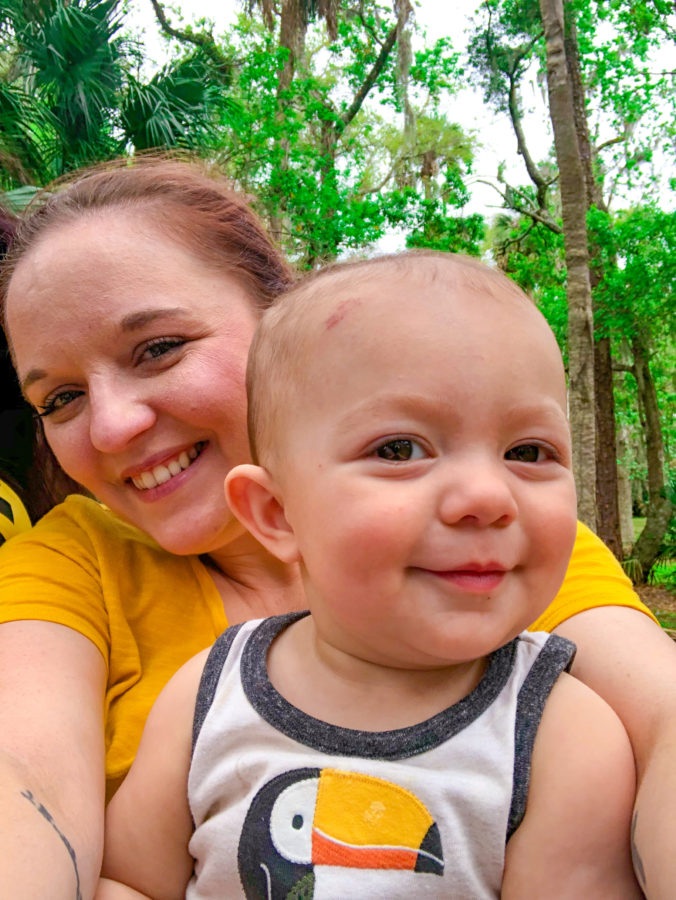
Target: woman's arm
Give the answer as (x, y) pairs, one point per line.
(148, 821)
(627, 659)
(52, 683)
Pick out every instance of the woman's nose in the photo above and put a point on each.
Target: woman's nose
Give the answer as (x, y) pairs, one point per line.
(117, 414)
(477, 492)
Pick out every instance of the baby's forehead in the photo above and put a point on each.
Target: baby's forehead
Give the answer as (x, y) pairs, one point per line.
(438, 286)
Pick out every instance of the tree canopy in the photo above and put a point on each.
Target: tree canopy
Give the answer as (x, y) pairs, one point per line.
(342, 121)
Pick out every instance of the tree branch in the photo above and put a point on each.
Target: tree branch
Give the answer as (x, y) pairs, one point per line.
(609, 143)
(517, 240)
(202, 39)
(370, 79)
(540, 216)
(522, 148)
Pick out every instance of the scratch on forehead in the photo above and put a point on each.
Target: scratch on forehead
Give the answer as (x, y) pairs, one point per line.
(341, 311)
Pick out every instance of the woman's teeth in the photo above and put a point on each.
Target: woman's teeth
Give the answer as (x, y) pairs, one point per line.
(161, 474)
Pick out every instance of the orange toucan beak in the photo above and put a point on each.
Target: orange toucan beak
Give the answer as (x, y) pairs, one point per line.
(364, 822)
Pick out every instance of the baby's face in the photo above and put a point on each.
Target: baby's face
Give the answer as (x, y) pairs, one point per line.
(426, 471)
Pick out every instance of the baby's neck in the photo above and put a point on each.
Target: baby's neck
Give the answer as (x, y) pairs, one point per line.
(352, 692)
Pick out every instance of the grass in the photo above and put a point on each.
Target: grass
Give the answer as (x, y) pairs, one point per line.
(666, 619)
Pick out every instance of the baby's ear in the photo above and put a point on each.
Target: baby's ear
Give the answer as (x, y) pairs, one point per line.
(254, 498)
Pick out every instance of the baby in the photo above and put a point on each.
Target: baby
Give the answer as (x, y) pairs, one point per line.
(407, 738)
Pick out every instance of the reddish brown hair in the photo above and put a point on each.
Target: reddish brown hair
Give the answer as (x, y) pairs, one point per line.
(186, 198)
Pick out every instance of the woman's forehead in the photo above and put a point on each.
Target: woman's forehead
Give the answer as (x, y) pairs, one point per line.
(90, 276)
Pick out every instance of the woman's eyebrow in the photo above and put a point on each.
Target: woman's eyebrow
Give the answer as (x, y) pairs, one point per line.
(33, 376)
(144, 316)
(128, 323)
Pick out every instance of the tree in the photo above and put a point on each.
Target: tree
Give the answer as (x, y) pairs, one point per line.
(574, 214)
(614, 85)
(353, 141)
(70, 94)
(637, 303)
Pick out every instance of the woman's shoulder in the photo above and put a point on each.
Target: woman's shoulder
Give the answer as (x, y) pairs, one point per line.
(78, 512)
(82, 540)
(594, 578)
(84, 522)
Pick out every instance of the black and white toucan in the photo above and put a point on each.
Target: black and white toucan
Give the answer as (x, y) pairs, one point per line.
(307, 818)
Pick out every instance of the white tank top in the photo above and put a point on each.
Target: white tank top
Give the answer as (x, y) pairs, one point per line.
(286, 806)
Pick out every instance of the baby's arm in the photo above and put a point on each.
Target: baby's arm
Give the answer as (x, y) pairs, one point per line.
(574, 839)
(113, 890)
(148, 822)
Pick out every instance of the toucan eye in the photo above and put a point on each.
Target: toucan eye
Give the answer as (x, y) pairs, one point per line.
(291, 820)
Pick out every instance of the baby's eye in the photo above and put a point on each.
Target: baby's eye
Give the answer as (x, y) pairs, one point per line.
(527, 453)
(57, 401)
(400, 450)
(160, 347)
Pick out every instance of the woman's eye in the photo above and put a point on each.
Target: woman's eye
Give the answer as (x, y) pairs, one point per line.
(400, 450)
(160, 347)
(57, 401)
(527, 453)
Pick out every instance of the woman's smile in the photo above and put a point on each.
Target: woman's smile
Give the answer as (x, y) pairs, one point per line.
(153, 476)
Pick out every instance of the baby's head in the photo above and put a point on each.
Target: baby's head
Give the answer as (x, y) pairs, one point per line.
(410, 416)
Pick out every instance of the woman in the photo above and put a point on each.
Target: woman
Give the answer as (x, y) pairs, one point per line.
(129, 303)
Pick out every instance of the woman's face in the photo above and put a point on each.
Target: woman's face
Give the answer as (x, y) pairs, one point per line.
(134, 351)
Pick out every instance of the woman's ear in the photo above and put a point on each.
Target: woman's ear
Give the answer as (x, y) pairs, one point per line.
(254, 498)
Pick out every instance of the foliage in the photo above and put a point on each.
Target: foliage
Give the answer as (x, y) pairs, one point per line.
(332, 181)
(70, 94)
(629, 99)
(640, 294)
(341, 141)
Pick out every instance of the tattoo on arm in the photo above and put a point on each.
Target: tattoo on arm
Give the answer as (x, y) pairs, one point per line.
(635, 856)
(44, 812)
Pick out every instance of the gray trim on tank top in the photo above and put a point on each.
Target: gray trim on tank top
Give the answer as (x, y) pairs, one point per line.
(399, 743)
(555, 657)
(211, 674)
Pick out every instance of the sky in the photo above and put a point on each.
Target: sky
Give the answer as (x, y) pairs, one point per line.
(440, 18)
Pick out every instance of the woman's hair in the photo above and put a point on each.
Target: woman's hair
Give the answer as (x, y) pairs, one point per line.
(8, 225)
(188, 201)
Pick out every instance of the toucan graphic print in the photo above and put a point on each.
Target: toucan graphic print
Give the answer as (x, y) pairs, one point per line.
(306, 819)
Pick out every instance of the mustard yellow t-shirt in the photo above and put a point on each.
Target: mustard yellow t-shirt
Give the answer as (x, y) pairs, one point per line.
(594, 578)
(148, 611)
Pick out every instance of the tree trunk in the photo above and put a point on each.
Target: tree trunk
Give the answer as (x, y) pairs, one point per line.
(574, 213)
(660, 509)
(607, 486)
(624, 498)
(292, 31)
(607, 506)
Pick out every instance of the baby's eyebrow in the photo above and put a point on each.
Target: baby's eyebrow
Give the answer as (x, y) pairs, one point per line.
(399, 403)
